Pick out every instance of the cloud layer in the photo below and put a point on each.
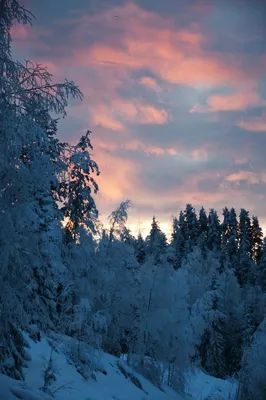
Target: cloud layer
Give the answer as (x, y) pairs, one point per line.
(175, 95)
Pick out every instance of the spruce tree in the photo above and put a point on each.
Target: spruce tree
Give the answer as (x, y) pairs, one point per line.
(140, 249)
(214, 231)
(156, 241)
(178, 240)
(203, 221)
(212, 346)
(245, 269)
(191, 227)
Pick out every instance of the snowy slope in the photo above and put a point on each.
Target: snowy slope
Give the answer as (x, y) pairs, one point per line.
(202, 386)
(70, 385)
(113, 386)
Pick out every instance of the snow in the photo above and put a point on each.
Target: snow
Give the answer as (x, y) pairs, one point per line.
(113, 386)
(70, 385)
(201, 386)
(14, 390)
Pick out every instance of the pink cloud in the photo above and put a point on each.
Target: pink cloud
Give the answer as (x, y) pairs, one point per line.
(131, 145)
(142, 39)
(233, 102)
(243, 176)
(200, 153)
(241, 160)
(150, 83)
(167, 61)
(119, 112)
(101, 118)
(118, 178)
(255, 124)
(20, 32)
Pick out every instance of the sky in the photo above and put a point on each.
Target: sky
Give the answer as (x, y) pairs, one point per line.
(174, 94)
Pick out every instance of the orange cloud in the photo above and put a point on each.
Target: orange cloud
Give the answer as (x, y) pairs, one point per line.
(118, 178)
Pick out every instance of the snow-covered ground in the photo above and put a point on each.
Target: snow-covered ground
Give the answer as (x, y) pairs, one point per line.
(110, 384)
(201, 386)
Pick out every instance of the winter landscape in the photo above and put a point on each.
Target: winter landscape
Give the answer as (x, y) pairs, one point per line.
(92, 305)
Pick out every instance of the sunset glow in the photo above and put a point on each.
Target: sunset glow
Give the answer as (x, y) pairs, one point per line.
(174, 94)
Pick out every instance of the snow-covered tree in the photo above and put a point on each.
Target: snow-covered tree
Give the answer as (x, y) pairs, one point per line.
(140, 249)
(191, 227)
(261, 268)
(256, 240)
(245, 270)
(253, 371)
(210, 320)
(203, 221)
(79, 207)
(30, 167)
(118, 219)
(230, 237)
(156, 240)
(178, 240)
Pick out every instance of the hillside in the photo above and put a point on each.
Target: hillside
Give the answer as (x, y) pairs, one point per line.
(109, 382)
